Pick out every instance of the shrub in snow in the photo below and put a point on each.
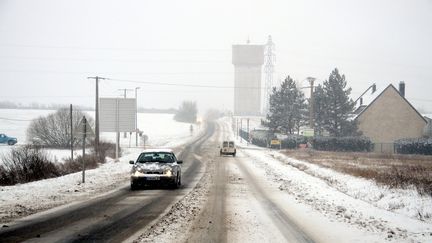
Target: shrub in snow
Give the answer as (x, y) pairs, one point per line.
(187, 112)
(72, 166)
(25, 164)
(414, 146)
(256, 140)
(106, 149)
(345, 144)
(54, 130)
(290, 141)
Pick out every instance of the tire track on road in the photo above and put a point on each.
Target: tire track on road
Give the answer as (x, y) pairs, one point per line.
(210, 226)
(287, 227)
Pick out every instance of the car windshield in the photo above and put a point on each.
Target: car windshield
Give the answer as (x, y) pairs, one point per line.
(231, 144)
(225, 144)
(160, 157)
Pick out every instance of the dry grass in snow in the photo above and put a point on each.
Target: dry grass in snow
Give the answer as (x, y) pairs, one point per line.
(395, 171)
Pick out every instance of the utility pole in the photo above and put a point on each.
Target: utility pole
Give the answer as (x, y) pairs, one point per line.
(237, 127)
(241, 129)
(248, 132)
(96, 78)
(311, 100)
(71, 131)
(136, 116)
(83, 147)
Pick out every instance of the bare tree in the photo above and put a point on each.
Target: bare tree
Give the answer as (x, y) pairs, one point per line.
(54, 130)
(187, 112)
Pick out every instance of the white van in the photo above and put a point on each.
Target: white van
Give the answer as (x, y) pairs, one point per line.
(228, 147)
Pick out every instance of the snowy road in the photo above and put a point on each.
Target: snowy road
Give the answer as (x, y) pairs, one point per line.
(239, 210)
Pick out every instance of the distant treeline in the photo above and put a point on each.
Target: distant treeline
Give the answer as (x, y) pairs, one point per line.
(36, 106)
(39, 106)
(155, 110)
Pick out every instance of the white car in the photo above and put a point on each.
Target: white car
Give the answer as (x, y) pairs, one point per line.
(228, 147)
(156, 167)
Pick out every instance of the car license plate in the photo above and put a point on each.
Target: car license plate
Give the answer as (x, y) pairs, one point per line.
(153, 178)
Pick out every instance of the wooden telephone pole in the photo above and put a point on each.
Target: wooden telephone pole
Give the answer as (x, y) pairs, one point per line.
(96, 78)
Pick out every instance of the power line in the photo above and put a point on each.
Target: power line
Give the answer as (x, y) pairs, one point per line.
(12, 119)
(183, 85)
(117, 48)
(111, 60)
(50, 96)
(113, 73)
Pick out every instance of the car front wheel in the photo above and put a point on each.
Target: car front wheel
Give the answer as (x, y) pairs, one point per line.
(133, 186)
(177, 183)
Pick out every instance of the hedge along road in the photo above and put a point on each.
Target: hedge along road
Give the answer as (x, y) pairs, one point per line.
(114, 217)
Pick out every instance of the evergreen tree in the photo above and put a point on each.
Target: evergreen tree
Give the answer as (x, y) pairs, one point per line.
(337, 106)
(274, 116)
(286, 108)
(319, 109)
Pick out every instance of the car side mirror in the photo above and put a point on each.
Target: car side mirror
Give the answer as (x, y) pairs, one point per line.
(131, 162)
(179, 161)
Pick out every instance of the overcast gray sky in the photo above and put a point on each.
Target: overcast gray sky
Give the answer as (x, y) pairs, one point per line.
(49, 48)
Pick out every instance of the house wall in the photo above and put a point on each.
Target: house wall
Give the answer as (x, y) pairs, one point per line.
(390, 117)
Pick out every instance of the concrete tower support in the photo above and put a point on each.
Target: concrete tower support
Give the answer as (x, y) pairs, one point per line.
(248, 61)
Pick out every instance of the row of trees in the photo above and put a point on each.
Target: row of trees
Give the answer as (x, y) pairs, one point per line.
(35, 105)
(288, 109)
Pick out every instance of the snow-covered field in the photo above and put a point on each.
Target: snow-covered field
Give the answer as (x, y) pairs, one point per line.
(160, 129)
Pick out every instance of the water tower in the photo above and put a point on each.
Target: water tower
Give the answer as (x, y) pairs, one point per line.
(248, 61)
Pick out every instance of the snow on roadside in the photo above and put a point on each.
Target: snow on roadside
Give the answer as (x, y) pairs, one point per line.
(402, 201)
(25, 199)
(333, 203)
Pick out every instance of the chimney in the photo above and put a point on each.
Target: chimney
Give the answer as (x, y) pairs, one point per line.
(402, 88)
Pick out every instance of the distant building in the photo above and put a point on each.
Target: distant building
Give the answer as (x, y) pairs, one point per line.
(248, 61)
(390, 117)
(427, 131)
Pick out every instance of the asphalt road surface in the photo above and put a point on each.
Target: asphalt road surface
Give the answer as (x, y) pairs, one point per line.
(213, 226)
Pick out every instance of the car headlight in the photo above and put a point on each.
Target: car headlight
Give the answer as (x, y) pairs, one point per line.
(168, 172)
(138, 173)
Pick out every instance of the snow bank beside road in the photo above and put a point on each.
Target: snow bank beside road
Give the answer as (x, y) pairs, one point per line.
(402, 201)
(323, 196)
(24, 199)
